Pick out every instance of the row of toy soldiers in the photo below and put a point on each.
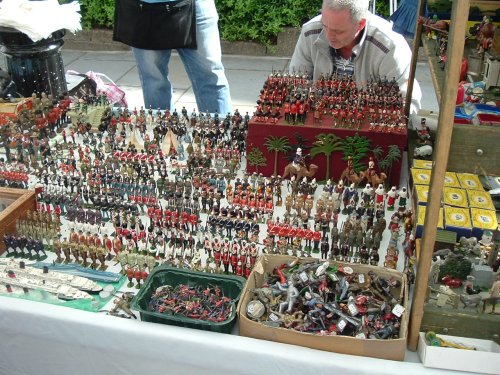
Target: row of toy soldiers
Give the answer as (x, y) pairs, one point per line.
(174, 218)
(68, 251)
(22, 243)
(39, 225)
(261, 203)
(233, 227)
(300, 204)
(237, 254)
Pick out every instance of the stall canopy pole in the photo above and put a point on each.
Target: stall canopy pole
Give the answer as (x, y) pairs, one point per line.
(456, 39)
(414, 57)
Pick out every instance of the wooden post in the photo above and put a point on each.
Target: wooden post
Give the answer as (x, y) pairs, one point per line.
(414, 57)
(456, 39)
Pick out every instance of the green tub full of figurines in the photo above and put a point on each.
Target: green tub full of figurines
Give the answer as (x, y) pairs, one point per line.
(190, 299)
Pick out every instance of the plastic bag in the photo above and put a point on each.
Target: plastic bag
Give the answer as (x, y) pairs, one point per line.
(114, 94)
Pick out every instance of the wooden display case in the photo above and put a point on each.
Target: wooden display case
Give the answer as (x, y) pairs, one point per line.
(474, 148)
(14, 203)
(452, 150)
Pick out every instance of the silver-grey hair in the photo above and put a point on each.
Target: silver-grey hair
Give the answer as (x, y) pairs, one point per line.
(357, 8)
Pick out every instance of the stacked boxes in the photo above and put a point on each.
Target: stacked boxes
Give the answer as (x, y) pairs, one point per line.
(467, 209)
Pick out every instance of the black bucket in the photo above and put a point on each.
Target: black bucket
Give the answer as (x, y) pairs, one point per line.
(35, 67)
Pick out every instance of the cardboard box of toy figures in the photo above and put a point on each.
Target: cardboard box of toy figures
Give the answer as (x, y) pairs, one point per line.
(392, 349)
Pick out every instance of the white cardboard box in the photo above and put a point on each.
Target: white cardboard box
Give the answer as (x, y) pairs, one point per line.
(485, 359)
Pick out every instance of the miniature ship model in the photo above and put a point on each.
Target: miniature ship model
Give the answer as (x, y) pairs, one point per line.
(64, 286)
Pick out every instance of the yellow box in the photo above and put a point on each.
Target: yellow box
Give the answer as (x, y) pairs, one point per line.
(480, 199)
(455, 197)
(421, 218)
(483, 220)
(457, 219)
(451, 180)
(469, 181)
(422, 164)
(421, 176)
(421, 193)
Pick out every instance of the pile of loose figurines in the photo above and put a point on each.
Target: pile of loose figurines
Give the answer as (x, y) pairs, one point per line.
(378, 105)
(193, 302)
(329, 298)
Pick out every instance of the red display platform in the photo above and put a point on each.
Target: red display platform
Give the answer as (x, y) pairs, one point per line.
(258, 132)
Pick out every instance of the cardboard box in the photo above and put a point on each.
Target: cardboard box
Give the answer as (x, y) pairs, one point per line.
(421, 176)
(458, 220)
(455, 197)
(393, 349)
(483, 220)
(485, 359)
(421, 194)
(422, 164)
(451, 180)
(419, 230)
(480, 199)
(469, 181)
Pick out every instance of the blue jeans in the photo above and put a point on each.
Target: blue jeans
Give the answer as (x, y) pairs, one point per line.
(203, 66)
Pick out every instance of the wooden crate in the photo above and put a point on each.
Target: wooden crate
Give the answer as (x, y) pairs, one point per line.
(18, 202)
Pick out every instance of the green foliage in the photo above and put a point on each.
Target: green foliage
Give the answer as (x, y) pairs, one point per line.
(256, 158)
(456, 268)
(357, 147)
(262, 20)
(95, 13)
(385, 163)
(254, 20)
(277, 144)
(326, 144)
(382, 9)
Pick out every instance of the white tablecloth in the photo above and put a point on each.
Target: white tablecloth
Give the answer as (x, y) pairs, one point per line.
(45, 339)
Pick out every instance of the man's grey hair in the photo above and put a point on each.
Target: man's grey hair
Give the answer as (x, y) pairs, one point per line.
(357, 8)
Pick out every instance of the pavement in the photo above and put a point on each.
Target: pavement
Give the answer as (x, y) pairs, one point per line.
(246, 76)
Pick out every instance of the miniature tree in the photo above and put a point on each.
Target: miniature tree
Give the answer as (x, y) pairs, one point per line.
(385, 163)
(277, 144)
(256, 158)
(456, 268)
(356, 147)
(326, 144)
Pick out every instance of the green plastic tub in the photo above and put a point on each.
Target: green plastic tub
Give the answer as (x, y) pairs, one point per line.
(230, 285)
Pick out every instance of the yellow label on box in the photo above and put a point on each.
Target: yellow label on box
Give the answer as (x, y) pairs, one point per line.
(480, 199)
(469, 181)
(421, 216)
(422, 193)
(421, 176)
(455, 197)
(422, 164)
(457, 217)
(484, 219)
(451, 180)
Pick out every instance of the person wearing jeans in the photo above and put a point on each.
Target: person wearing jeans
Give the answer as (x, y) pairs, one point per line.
(203, 66)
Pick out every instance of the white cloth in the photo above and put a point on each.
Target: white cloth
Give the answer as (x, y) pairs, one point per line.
(39, 19)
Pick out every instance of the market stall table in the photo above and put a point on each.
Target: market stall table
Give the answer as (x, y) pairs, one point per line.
(41, 338)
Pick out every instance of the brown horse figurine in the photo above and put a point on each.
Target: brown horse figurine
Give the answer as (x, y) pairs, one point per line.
(291, 170)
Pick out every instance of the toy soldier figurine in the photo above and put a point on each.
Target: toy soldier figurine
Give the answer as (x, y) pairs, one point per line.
(324, 247)
(374, 257)
(391, 198)
(379, 197)
(403, 195)
(298, 160)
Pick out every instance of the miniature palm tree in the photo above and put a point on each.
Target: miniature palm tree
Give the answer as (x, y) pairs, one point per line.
(326, 144)
(357, 147)
(385, 163)
(277, 144)
(256, 158)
